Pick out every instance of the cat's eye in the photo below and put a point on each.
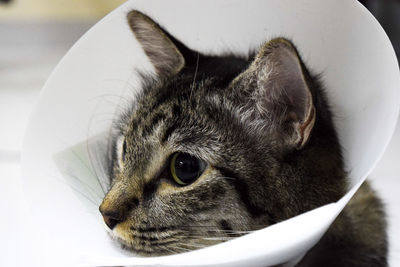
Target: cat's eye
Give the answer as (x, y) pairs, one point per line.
(185, 168)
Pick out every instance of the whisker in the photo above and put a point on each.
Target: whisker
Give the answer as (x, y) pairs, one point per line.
(86, 166)
(103, 96)
(78, 191)
(194, 245)
(217, 238)
(195, 75)
(170, 250)
(214, 226)
(92, 191)
(224, 178)
(82, 161)
(226, 232)
(181, 248)
(104, 183)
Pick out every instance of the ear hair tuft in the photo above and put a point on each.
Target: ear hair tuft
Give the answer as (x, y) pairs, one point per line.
(277, 97)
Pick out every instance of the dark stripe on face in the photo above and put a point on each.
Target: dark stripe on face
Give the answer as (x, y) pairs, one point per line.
(149, 127)
(168, 132)
(145, 238)
(228, 230)
(157, 118)
(149, 189)
(153, 229)
(176, 110)
(140, 115)
(148, 107)
(243, 192)
(132, 203)
(161, 98)
(225, 226)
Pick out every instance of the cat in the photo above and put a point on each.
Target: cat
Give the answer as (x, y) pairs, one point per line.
(215, 147)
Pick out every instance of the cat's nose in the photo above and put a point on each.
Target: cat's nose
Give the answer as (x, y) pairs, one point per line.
(111, 219)
(117, 205)
(112, 214)
(117, 212)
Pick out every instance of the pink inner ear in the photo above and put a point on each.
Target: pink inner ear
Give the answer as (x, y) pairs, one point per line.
(289, 79)
(278, 94)
(295, 93)
(304, 130)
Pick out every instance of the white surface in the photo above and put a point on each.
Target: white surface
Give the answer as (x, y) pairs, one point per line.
(14, 185)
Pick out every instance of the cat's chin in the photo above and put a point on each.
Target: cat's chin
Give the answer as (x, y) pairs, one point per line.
(145, 246)
(134, 247)
(138, 248)
(145, 251)
(169, 245)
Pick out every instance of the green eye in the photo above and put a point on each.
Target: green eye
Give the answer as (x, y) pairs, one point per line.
(185, 169)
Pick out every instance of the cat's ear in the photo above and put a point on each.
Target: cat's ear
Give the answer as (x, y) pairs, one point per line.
(276, 94)
(157, 44)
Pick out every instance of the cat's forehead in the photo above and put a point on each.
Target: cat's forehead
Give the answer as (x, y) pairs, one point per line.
(183, 115)
(181, 93)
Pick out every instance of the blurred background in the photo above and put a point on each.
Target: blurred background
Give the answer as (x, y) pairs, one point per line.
(387, 12)
(56, 10)
(34, 36)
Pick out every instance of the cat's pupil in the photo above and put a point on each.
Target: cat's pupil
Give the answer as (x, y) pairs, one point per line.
(187, 168)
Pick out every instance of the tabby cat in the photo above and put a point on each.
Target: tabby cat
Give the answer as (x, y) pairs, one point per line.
(218, 146)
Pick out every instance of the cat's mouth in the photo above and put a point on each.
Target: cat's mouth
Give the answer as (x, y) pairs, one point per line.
(151, 241)
(161, 241)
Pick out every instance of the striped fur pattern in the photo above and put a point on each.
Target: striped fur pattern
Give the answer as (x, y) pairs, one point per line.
(261, 124)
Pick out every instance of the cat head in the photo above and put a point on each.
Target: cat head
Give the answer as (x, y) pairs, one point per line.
(218, 146)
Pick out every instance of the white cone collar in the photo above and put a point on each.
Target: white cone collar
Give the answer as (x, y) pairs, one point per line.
(340, 39)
